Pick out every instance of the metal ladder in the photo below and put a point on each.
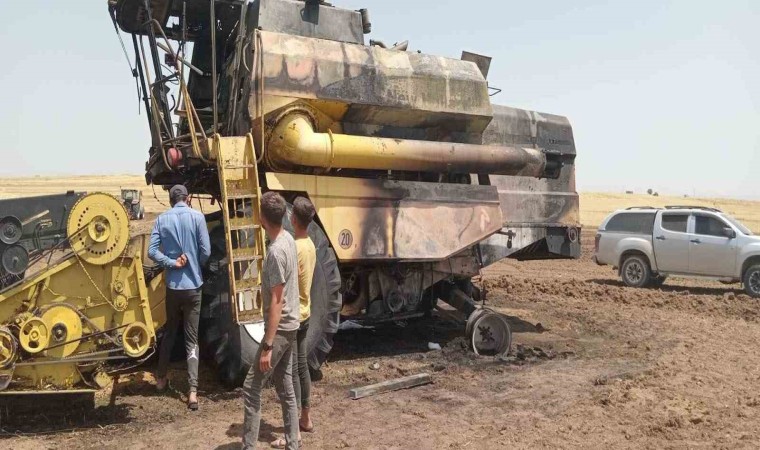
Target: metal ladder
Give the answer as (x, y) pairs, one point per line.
(241, 212)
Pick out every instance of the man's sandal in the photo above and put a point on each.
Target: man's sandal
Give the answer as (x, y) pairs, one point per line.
(280, 443)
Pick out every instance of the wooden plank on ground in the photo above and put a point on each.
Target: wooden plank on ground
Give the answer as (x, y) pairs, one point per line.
(390, 385)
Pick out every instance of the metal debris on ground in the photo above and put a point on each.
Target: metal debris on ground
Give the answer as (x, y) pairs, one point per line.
(524, 354)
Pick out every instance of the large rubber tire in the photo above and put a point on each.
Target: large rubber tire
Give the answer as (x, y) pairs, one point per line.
(229, 345)
(326, 299)
(635, 271)
(752, 281)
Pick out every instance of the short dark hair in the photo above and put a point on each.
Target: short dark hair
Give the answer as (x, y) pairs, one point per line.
(273, 208)
(303, 211)
(178, 198)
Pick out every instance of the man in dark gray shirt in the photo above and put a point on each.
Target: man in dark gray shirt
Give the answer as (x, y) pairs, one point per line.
(279, 289)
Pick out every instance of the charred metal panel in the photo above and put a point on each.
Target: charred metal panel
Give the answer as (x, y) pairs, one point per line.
(382, 87)
(309, 19)
(528, 200)
(526, 128)
(384, 220)
(531, 242)
(131, 15)
(483, 62)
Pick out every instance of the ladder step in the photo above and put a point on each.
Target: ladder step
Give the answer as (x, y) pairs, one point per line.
(247, 286)
(243, 226)
(240, 195)
(245, 254)
(239, 166)
(249, 317)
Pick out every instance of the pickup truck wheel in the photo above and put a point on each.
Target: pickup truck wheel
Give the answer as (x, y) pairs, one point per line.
(752, 281)
(635, 272)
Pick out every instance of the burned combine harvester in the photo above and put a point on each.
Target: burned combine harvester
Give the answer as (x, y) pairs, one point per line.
(418, 180)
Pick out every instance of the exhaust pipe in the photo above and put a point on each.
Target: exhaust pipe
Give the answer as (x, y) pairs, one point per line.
(294, 142)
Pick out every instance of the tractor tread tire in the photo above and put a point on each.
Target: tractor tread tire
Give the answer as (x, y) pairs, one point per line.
(229, 345)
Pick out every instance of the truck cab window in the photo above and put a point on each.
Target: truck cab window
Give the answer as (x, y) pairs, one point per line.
(675, 222)
(641, 223)
(709, 226)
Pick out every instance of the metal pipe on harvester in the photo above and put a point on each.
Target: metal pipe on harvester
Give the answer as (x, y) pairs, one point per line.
(294, 142)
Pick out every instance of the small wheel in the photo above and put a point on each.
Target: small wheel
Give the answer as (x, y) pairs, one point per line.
(752, 281)
(635, 271)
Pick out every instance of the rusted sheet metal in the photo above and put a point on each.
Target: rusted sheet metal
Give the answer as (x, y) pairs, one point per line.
(387, 220)
(526, 200)
(382, 87)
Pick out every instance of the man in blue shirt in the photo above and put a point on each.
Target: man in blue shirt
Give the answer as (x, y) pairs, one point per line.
(180, 244)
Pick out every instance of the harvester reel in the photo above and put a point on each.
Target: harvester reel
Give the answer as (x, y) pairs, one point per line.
(136, 339)
(34, 335)
(65, 327)
(98, 228)
(8, 348)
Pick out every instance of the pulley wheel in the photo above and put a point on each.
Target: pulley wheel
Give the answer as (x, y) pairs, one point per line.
(65, 328)
(136, 339)
(15, 259)
(8, 348)
(34, 335)
(10, 230)
(98, 228)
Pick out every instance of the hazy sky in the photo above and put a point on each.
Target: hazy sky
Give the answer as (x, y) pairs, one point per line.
(662, 94)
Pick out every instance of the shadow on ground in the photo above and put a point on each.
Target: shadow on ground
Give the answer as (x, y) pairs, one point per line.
(408, 337)
(56, 413)
(394, 338)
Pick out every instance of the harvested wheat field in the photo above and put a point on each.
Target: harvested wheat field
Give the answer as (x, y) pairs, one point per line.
(594, 365)
(596, 206)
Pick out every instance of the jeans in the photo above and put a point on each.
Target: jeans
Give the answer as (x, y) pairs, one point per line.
(185, 305)
(301, 376)
(282, 374)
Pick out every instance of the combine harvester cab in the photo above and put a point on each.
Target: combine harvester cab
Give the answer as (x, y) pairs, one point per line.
(418, 180)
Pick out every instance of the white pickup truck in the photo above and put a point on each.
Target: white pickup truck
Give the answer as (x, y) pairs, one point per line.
(647, 245)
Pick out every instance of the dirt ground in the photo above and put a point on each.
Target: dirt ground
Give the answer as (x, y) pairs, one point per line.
(594, 365)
